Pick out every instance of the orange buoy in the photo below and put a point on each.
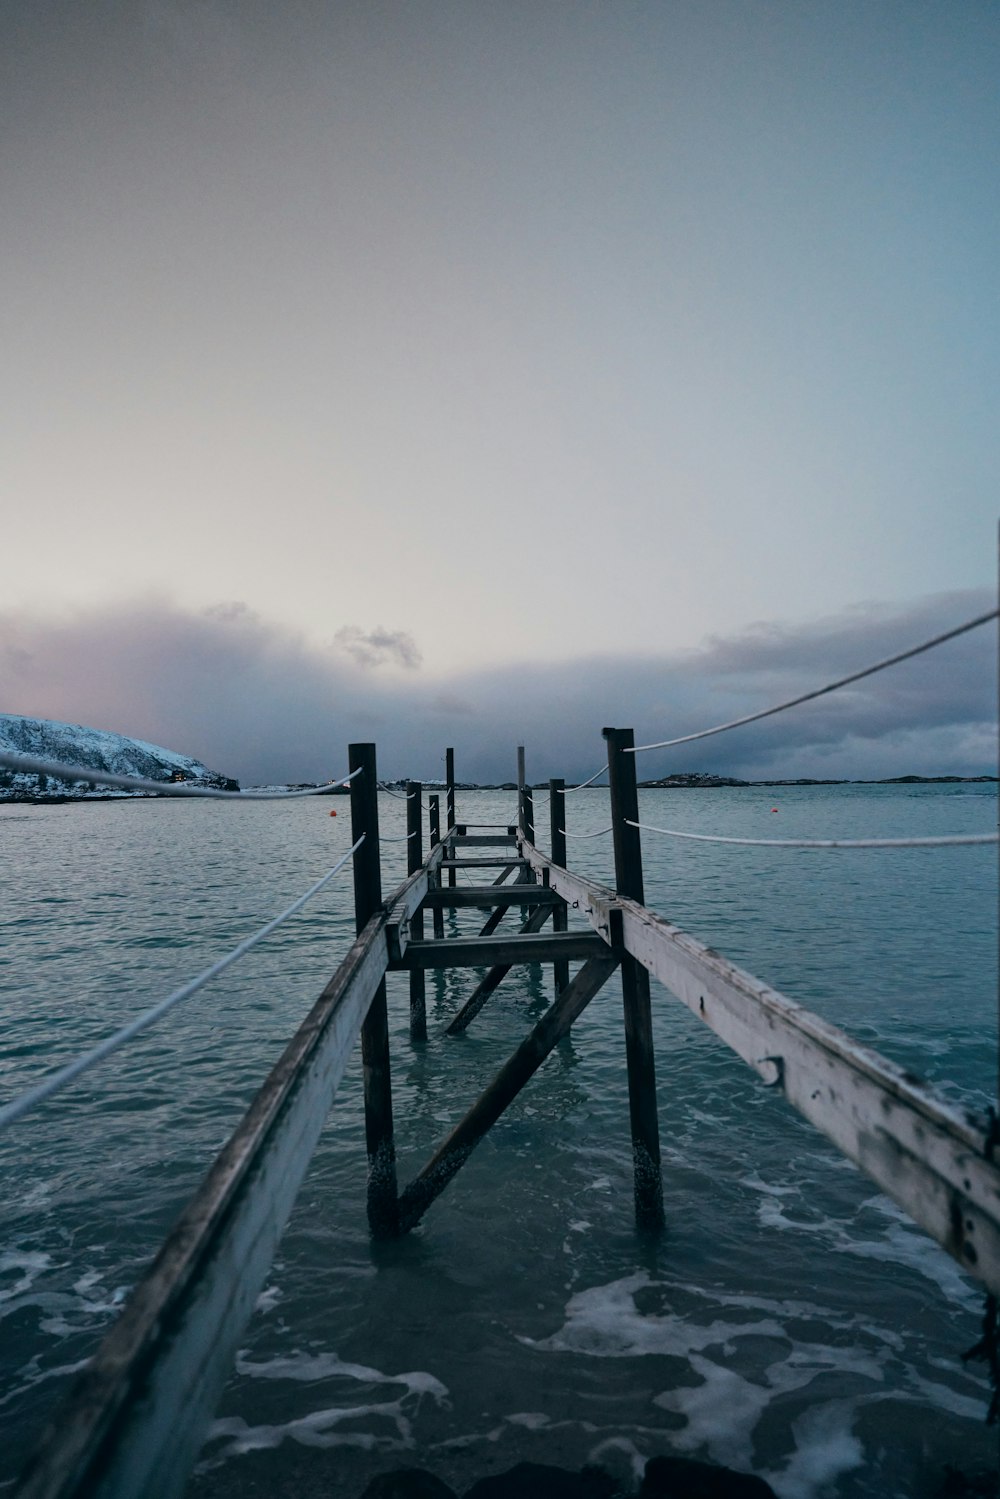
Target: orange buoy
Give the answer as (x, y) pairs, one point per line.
(333, 814)
(773, 809)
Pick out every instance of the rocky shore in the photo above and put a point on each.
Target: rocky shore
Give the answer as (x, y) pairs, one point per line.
(665, 1477)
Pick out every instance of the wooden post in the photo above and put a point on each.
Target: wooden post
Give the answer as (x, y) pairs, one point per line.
(414, 859)
(557, 824)
(525, 813)
(635, 988)
(529, 815)
(434, 821)
(449, 776)
(383, 1205)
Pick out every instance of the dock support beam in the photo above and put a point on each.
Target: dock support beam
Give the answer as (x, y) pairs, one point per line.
(449, 776)
(557, 825)
(414, 860)
(525, 805)
(635, 988)
(383, 1205)
(434, 825)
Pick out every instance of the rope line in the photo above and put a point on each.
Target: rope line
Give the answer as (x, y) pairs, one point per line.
(947, 840)
(65, 1075)
(601, 833)
(805, 697)
(61, 771)
(590, 782)
(401, 796)
(405, 839)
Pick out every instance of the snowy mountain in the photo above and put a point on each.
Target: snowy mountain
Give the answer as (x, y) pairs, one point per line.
(74, 744)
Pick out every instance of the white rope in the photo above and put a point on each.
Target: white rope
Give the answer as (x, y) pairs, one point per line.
(948, 840)
(399, 840)
(855, 676)
(399, 795)
(590, 782)
(61, 1079)
(63, 772)
(602, 833)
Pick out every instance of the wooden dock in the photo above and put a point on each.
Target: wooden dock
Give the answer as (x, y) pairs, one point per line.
(134, 1421)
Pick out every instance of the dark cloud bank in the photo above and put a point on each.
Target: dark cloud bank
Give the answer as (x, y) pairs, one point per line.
(253, 700)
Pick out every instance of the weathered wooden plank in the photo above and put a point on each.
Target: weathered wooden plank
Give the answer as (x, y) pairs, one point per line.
(487, 896)
(405, 904)
(483, 952)
(508, 827)
(407, 899)
(927, 1156)
(134, 1420)
(483, 840)
(481, 863)
(933, 1160)
(505, 1087)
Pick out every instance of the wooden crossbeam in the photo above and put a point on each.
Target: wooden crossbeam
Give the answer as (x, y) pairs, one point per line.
(507, 1084)
(483, 952)
(510, 863)
(510, 828)
(482, 840)
(488, 896)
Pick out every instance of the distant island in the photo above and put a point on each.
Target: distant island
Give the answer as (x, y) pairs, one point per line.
(93, 749)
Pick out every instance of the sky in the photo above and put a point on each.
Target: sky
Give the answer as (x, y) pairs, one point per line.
(474, 373)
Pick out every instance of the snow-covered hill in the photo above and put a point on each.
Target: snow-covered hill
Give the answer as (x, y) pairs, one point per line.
(74, 744)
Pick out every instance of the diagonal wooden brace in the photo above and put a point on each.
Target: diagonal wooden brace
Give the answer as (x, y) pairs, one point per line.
(507, 1084)
(494, 920)
(494, 978)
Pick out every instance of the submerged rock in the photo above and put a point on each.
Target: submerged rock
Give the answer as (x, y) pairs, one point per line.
(540, 1481)
(684, 1478)
(408, 1483)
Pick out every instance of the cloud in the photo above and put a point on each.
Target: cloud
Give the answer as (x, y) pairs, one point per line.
(255, 700)
(375, 647)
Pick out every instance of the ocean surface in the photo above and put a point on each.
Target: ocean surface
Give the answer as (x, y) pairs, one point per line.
(790, 1321)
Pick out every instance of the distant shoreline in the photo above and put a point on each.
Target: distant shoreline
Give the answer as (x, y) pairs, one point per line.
(703, 781)
(692, 781)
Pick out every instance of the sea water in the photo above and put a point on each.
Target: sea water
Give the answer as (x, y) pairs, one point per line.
(790, 1321)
